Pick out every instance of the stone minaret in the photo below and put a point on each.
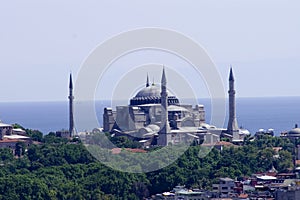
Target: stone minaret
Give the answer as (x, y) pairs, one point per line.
(232, 127)
(147, 82)
(71, 98)
(165, 127)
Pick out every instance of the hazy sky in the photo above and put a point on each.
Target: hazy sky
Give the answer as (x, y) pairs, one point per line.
(42, 41)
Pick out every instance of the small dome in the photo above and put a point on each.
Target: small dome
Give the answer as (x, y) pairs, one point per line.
(295, 131)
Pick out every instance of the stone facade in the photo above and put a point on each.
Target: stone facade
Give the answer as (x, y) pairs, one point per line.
(5, 129)
(232, 127)
(154, 111)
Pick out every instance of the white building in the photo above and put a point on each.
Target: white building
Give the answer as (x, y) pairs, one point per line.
(181, 193)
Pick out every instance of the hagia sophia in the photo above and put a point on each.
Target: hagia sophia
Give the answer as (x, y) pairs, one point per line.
(155, 116)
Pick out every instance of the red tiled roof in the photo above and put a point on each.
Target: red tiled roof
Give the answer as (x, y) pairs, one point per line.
(10, 140)
(224, 143)
(277, 149)
(118, 150)
(271, 173)
(221, 143)
(286, 174)
(243, 196)
(136, 150)
(36, 142)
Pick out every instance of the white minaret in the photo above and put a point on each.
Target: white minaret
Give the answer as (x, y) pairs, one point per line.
(165, 127)
(71, 109)
(232, 127)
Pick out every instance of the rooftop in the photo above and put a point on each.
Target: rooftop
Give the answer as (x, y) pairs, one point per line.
(12, 137)
(119, 150)
(10, 140)
(226, 179)
(5, 125)
(266, 177)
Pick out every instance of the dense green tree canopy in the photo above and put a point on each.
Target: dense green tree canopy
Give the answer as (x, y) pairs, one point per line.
(58, 169)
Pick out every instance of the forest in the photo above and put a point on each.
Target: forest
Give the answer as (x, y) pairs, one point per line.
(61, 169)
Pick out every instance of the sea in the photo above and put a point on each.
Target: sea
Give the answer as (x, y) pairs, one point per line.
(278, 113)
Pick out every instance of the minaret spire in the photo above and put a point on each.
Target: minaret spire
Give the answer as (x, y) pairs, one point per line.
(231, 78)
(71, 82)
(232, 127)
(165, 127)
(163, 78)
(147, 82)
(71, 109)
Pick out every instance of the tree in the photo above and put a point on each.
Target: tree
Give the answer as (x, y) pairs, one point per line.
(6, 154)
(20, 149)
(35, 135)
(284, 162)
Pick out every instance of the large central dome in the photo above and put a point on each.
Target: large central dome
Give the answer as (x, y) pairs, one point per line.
(151, 95)
(150, 91)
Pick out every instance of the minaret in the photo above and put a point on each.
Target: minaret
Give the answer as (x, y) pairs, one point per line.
(165, 127)
(232, 127)
(71, 98)
(147, 82)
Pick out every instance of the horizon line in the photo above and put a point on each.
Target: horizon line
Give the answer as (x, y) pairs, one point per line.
(66, 100)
